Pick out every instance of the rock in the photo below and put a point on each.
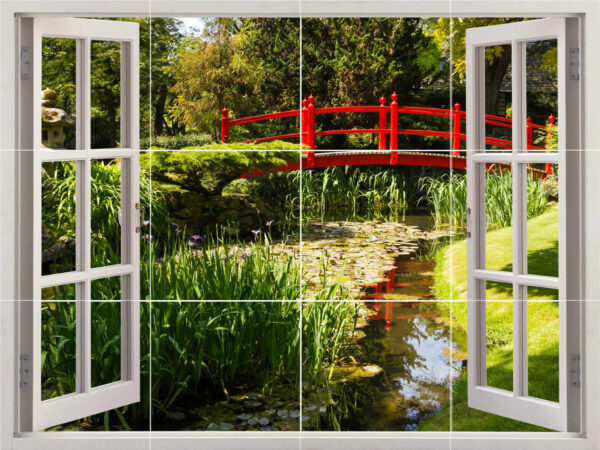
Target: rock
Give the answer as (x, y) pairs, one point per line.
(263, 421)
(252, 404)
(283, 413)
(322, 409)
(269, 428)
(226, 426)
(305, 418)
(310, 407)
(294, 413)
(244, 416)
(212, 427)
(175, 415)
(253, 396)
(270, 412)
(254, 421)
(372, 369)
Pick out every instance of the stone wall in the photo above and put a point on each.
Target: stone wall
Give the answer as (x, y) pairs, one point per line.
(201, 214)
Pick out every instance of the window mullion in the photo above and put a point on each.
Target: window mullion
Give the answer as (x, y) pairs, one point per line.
(85, 91)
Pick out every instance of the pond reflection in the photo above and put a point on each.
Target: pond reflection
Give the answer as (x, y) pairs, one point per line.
(411, 343)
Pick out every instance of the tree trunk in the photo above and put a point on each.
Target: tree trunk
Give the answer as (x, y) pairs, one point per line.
(159, 110)
(494, 74)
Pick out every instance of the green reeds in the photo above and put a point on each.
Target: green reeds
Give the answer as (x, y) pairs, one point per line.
(354, 191)
(447, 196)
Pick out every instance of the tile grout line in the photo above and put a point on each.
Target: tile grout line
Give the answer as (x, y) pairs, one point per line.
(451, 98)
(301, 309)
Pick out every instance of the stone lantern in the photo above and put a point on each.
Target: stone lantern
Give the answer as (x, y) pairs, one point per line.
(54, 120)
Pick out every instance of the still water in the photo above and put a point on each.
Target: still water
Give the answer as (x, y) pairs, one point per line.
(407, 338)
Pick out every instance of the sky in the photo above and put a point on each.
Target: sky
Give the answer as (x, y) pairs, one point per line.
(192, 25)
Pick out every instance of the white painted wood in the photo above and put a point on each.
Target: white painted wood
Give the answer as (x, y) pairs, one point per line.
(508, 157)
(304, 440)
(566, 414)
(515, 278)
(38, 414)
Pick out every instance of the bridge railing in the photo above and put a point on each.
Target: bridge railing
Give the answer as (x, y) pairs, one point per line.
(309, 111)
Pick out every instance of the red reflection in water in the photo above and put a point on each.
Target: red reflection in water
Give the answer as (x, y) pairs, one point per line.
(387, 312)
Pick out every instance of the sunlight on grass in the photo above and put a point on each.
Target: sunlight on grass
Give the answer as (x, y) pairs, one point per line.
(451, 283)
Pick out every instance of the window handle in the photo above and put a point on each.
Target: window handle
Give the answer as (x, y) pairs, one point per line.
(138, 229)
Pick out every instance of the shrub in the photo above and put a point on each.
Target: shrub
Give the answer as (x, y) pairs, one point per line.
(210, 172)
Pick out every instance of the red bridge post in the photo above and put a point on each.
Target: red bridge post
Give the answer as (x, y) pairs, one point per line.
(311, 130)
(529, 133)
(456, 130)
(224, 126)
(394, 129)
(382, 123)
(549, 169)
(311, 121)
(304, 135)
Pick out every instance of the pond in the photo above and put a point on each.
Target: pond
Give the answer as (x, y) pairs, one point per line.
(407, 349)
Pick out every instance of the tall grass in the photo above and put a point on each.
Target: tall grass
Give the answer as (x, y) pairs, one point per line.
(201, 350)
(447, 196)
(355, 191)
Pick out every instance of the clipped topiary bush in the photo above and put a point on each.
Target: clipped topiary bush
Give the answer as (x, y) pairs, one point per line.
(176, 142)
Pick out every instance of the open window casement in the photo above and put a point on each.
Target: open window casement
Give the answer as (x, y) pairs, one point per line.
(75, 286)
(518, 404)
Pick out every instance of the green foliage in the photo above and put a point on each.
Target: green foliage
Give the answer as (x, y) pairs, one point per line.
(209, 172)
(58, 206)
(222, 269)
(279, 145)
(244, 65)
(58, 73)
(325, 330)
(549, 138)
(448, 198)
(453, 32)
(177, 141)
(355, 61)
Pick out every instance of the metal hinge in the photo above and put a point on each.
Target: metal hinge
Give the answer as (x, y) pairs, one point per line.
(573, 64)
(25, 63)
(468, 221)
(138, 229)
(575, 371)
(24, 371)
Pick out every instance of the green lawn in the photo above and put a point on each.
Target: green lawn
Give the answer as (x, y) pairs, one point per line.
(451, 282)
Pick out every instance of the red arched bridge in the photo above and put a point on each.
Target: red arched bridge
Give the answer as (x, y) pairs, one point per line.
(387, 154)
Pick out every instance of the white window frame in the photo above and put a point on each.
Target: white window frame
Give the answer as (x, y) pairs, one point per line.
(565, 414)
(589, 438)
(86, 400)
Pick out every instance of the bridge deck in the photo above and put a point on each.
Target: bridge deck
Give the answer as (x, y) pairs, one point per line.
(327, 158)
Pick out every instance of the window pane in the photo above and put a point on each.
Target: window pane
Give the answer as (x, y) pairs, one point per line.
(542, 344)
(499, 335)
(106, 212)
(498, 99)
(58, 344)
(58, 93)
(106, 94)
(542, 95)
(542, 220)
(498, 212)
(58, 217)
(106, 331)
